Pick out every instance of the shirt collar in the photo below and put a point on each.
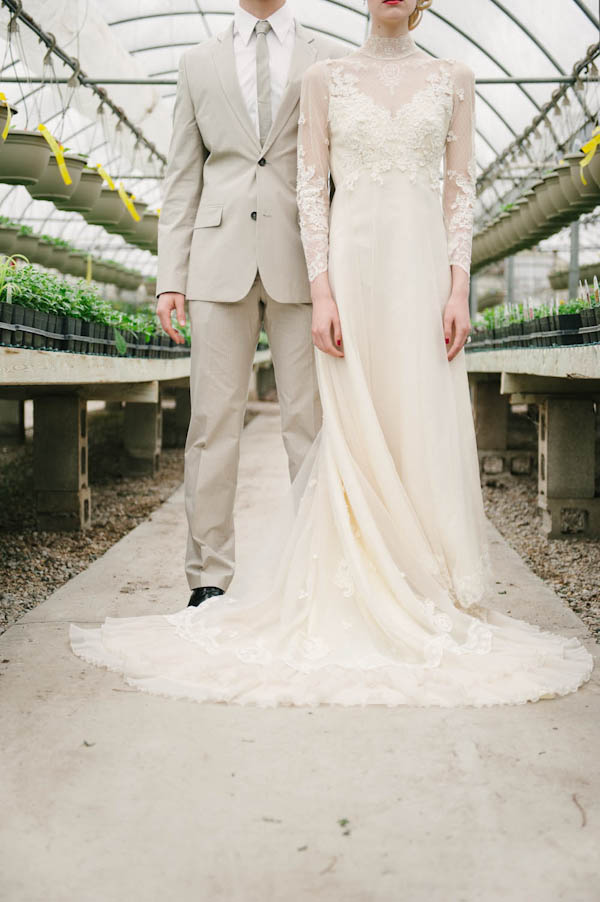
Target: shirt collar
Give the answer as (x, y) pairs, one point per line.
(281, 22)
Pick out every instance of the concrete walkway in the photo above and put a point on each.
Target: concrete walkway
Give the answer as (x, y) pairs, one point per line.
(112, 795)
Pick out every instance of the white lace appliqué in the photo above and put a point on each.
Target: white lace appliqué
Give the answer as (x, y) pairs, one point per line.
(364, 115)
(313, 210)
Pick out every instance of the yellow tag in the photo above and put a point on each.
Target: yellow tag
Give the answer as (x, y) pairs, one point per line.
(128, 203)
(58, 153)
(589, 149)
(158, 211)
(88, 269)
(106, 177)
(8, 115)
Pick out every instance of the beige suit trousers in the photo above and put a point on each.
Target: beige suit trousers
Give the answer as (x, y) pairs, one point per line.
(224, 339)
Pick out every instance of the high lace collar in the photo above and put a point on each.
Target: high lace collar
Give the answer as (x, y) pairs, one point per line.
(389, 48)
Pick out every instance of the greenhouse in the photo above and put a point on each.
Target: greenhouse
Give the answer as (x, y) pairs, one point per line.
(234, 237)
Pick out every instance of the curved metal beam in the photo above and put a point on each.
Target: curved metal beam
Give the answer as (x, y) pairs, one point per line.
(587, 12)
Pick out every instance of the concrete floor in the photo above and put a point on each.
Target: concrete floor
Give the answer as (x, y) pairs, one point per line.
(111, 795)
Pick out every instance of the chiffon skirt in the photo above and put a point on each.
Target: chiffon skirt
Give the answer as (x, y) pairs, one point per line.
(374, 583)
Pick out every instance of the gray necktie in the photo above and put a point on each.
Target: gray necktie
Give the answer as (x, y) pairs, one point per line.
(263, 79)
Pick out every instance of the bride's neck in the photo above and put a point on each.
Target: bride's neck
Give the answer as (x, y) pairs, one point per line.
(389, 44)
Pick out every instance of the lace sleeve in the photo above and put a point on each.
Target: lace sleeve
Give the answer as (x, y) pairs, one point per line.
(459, 170)
(313, 169)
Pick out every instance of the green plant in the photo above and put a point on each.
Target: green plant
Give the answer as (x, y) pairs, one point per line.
(574, 305)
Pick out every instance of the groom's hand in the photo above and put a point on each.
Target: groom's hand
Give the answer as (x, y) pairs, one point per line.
(326, 328)
(167, 302)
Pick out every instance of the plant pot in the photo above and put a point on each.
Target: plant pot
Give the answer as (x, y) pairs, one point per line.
(28, 246)
(146, 233)
(85, 195)
(71, 326)
(8, 238)
(28, 314)
(4, 116)
(76, 263)
(18, 317)
(107, 210)
(6, 335)
(569, 325)
(40, 321)
(24, 158)
(43, 252)
(58, 258)
(132, 280)
(51, 185)
(127, 224)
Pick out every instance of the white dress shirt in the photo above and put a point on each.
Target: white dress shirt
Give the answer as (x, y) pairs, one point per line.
(280, 40)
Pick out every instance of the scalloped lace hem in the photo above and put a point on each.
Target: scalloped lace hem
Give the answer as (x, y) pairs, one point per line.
(550, 676)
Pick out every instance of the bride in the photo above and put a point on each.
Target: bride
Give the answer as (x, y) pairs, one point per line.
(372, 588)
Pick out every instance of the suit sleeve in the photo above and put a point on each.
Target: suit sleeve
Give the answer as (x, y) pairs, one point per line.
(313, 169)
(182, 189)
(459, 170)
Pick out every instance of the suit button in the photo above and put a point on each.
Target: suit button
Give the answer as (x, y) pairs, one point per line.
(253, 215)
(262, 162)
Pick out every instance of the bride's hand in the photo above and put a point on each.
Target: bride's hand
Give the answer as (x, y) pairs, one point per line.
(326, 328)
(457, 322)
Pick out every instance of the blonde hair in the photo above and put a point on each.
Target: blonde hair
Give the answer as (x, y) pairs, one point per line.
(415, 18)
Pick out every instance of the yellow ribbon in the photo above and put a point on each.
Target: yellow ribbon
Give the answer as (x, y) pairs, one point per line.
(128, 203)
(8, 115)
(589, 149)
(88, 269)
(58, 153)
(106, 177)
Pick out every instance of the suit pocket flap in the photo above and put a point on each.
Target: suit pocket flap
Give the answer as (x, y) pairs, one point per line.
(208, 215)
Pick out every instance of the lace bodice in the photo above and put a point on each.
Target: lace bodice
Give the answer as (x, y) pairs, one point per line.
(386, 108)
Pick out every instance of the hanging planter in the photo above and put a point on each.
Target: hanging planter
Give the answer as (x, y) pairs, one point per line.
(126, 224)
(145, 235)
(76, 263)
(107, 210)
(133, 280)
(101, 272)
(8, 238)
(85, 195)
(5, 108)
(24, 158)
(27, 245)
(590, 193)
(58, 257)
(51, 186)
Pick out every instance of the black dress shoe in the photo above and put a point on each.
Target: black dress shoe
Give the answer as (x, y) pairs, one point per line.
(201, 594)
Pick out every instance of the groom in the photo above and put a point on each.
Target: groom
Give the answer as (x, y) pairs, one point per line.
(229, 242)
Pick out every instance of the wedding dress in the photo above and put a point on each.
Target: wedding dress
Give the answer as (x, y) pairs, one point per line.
(372, 589)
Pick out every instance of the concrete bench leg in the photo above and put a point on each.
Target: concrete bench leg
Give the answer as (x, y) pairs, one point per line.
(143, 438)
(491, 411)
(177, 420)
(12, 421)
(566, 467)
(60, 462)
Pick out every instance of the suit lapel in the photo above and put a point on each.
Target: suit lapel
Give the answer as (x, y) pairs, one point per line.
(224, 60)
(305, 53)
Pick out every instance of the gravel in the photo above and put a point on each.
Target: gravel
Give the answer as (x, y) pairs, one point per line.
(569, 565)
(34, 563)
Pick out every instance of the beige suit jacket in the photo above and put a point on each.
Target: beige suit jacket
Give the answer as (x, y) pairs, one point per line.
(229, 205)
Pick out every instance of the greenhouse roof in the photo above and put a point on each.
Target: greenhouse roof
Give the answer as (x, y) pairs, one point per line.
(143, 39)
